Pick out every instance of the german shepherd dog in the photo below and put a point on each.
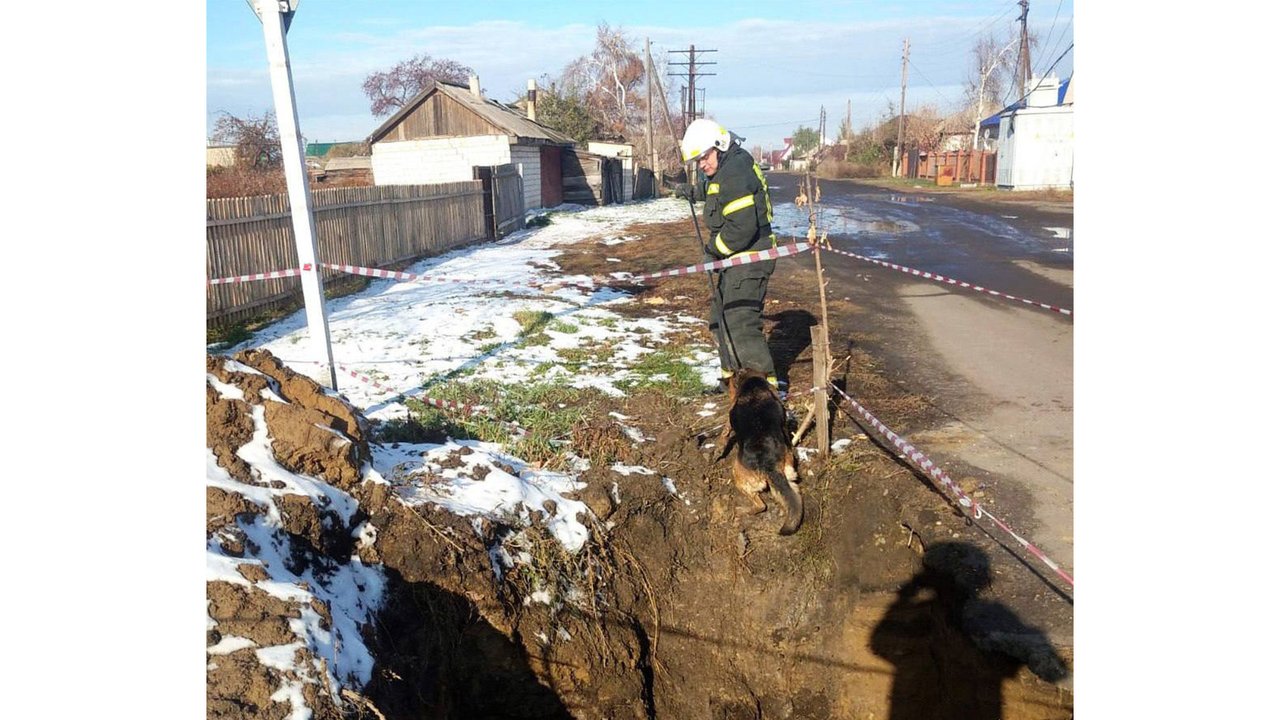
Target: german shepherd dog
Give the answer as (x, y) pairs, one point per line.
(765, 459)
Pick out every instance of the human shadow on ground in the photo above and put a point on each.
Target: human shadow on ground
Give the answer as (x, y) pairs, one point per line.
(788, 339)
(951, 650)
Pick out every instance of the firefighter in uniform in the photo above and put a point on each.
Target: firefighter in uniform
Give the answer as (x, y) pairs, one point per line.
(739, 216)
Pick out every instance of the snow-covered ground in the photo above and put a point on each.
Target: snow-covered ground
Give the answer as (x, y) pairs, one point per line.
(401, 335)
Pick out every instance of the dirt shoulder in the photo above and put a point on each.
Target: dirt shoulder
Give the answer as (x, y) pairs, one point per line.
(873, 518)
(1049, 201)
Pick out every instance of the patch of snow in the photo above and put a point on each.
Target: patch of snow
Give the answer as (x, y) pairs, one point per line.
(630, 469)
(481, 487)
(229, 644)
(225, 390)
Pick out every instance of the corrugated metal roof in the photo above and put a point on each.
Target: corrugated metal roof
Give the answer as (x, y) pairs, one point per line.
(510, 121)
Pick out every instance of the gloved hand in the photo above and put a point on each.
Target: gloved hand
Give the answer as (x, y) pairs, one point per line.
(684, 190)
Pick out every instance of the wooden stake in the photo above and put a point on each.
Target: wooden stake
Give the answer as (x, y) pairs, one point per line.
(821, 368)
(818, 335)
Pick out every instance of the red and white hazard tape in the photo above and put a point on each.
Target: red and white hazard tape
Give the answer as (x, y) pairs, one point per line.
(396, 275)
(949, 281)
(291, 272)
(743, 259)
(410, 277)
(936, 473)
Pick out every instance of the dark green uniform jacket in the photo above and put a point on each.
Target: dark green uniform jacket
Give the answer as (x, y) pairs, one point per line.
(737, 206)
(740, 219)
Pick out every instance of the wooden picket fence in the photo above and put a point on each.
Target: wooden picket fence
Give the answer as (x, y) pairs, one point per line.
(382, 226)
(962, 166)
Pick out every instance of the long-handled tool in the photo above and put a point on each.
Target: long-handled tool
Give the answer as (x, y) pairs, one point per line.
(715, 293)
(716, 290)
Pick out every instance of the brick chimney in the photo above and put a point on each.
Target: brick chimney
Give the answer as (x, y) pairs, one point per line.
(531, 103)
(474, 82)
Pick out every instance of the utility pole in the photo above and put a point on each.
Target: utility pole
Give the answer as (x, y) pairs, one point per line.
(1024, 52)
(689, 98)
(276, 15)
(902, 109)
(848, 130)
(693, 96)
(648, 82)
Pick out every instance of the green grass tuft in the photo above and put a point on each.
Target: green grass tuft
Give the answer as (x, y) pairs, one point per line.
(664, 370)
(548, 411)
(531, 321)
(561, 326)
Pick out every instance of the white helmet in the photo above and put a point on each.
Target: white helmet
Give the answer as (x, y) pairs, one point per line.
(701, 136)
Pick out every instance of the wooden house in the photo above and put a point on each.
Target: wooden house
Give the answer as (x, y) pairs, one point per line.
(447, 131)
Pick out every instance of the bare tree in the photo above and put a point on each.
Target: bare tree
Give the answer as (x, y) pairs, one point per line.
(991, 72)
(389, 90)
(611, 82)
(256, 139)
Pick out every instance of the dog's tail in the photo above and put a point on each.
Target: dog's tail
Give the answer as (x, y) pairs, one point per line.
(789, 494)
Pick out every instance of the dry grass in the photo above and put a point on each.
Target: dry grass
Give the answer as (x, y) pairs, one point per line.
(831, 169)
(228, 182)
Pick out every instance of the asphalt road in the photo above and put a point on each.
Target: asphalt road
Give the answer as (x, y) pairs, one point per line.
(996, 373)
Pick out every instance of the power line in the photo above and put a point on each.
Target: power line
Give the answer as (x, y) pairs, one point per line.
(1046, 72)
(784, 122)
(691, 90)
(969, 36)
(929, 82)
(1061, 37)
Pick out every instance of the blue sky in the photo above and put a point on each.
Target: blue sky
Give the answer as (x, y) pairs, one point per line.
(777, 63)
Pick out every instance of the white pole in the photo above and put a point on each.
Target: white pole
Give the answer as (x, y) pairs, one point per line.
(272, 14)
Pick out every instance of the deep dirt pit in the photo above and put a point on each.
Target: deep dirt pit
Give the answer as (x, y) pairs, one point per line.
(874, 609)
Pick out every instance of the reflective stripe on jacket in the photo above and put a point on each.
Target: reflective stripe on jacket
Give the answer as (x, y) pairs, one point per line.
(737, 209)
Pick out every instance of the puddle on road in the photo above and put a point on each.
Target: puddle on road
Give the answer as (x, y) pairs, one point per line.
(794, 221)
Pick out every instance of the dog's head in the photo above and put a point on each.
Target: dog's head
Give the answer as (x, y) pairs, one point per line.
(745, 377)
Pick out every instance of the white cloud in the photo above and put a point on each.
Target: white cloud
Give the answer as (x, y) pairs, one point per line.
(767, 72)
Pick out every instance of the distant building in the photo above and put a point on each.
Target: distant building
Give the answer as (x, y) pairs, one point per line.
(1034, 138)
(220, 155)
(626, 155)
(446, 130)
